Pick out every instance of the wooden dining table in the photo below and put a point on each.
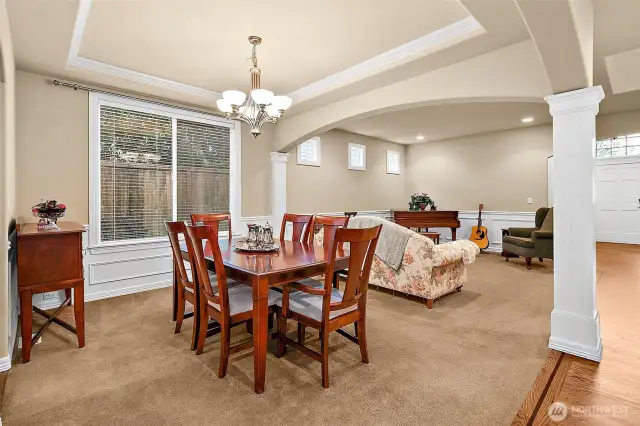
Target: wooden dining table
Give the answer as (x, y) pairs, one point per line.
(294, 261)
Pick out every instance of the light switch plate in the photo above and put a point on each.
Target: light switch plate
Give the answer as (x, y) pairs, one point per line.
(529, 200)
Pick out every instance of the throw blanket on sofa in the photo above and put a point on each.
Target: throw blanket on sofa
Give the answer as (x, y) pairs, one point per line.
(392, 242)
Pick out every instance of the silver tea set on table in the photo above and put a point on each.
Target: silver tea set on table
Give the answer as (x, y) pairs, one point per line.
(259, 238)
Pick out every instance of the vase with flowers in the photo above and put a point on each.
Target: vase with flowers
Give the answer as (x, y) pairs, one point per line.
(421, 202)
(49, 212)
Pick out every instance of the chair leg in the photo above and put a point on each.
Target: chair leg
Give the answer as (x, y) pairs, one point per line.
(270, 321)
(301, 332)
(459, 288)
(540, 259)
(361, 328)
(324, 350)
(429, 303)
(67, 295)
(180, 311)
(194, 332)
(282, 332)
(336, 280)
(528, 260)
(225, 339)
(355, 328)
(202, 332)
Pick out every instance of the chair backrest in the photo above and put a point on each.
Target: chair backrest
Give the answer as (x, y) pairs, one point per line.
(362, 246)
(301, 223)
(174, 230)
(195, 236)
(541, 214)
(330, 225)
(211, 219)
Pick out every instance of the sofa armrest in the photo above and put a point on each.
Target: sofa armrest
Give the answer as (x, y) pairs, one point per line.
(521, 232)
(542, 235)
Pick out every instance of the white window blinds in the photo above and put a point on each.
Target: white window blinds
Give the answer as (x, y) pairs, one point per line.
(309, 152)
(203, 169)
(135, 174)
(155, 168)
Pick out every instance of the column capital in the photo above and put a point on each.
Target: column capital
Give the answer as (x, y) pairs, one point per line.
(279, 157)
(587, 99)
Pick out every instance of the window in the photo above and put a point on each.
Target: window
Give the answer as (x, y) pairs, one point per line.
(357, 157)
(622, 146)
(150, 164)
(393, 162)
(309, 153)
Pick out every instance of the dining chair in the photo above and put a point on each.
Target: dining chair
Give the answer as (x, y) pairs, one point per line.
(329, 225)
(184, 283)
(227, 305)
(301, 226)
(212, 219)
(328, 309)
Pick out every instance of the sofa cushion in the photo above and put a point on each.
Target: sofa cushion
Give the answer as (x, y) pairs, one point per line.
(518, 241)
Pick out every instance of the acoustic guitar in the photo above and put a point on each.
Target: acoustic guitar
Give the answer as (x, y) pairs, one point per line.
(479, 233)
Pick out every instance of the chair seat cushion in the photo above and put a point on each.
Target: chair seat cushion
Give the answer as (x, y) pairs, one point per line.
(241, 299)
(518, 241)
(311, 282)
(310, 305)
(213, 279)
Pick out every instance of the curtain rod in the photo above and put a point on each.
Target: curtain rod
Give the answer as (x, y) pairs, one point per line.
(76, 86)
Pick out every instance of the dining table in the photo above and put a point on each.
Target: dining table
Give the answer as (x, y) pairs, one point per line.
(262, 270)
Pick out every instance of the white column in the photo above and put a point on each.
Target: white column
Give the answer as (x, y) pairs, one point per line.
(575, 324)
(278, 188)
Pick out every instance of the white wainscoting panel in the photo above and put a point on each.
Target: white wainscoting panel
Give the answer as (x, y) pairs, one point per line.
(495, 221)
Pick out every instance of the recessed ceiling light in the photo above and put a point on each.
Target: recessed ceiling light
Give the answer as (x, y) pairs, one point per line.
(527, 120)
(420, 137)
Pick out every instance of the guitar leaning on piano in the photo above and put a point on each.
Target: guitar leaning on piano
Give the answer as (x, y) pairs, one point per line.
(479, 234)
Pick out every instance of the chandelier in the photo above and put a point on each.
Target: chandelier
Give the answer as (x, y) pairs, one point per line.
(261, 107)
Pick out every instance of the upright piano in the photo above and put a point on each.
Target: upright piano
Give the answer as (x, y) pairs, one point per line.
(428, 219)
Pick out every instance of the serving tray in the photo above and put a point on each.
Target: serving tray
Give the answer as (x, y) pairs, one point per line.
(242, 245)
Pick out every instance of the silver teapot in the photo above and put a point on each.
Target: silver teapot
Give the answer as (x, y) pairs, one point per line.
(265, 235)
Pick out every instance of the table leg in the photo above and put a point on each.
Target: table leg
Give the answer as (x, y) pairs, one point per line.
(26, 322)
(260, 319)
(78, 309)
(453, 234)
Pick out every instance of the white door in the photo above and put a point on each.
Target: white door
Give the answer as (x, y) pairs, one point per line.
(618, 200)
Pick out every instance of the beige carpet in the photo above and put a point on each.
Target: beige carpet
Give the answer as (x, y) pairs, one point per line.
(469, 361)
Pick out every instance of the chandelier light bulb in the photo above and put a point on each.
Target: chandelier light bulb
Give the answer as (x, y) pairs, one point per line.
(273, 111)
(281, 102)
(262, 96)
(234, 97)
(224, 106)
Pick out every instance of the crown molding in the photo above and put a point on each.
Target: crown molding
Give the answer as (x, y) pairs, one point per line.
(74, 60)
(387, 60)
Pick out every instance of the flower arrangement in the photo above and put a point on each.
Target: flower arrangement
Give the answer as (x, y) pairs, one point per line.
(49, 212)
(420, 202)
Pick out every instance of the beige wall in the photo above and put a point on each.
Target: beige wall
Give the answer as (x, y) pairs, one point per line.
(332, 187)
(53, 151)
(499, 169)
(610, 126)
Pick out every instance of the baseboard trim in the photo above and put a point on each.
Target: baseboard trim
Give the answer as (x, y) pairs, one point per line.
(127, 290)
(572, 348)
(5, 363)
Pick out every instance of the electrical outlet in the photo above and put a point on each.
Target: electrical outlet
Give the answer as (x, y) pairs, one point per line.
(529, 200)
(50, 295)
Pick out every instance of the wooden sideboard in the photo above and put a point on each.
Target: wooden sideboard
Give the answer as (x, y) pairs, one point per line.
(427, 219)
(50, 260)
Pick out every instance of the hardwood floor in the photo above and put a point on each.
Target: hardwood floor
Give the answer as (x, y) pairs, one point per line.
(597, 394)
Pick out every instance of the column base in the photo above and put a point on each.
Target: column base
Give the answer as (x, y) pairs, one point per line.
(576, 335)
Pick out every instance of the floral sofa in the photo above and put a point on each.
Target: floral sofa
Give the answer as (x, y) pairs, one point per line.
(427, 270)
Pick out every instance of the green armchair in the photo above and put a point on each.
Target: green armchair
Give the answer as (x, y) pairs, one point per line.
(532, 242)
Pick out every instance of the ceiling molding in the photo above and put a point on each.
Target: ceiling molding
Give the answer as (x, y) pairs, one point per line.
(389, 59)
(392, 58)
(76, 61)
